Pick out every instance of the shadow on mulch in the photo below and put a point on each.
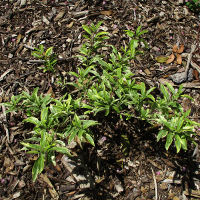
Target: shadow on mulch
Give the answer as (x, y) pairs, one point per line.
(139, 138)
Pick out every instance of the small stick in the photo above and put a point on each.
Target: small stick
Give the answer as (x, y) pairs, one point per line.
(4, 125)
(29, 47)
(193, 47)
(155, 183)
(5, 73)
(193, 64)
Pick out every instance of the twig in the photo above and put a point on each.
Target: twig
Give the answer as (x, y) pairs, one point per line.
(80, 13)
(193, 47)
(191, 85)
(193, 64)
(196, 151)
(4, 121)
(5, 73)
(29, 47)
(155, 183)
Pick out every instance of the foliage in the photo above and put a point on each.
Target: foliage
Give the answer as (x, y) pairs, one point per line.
(103, 85)
(48, 57)
(178, 128)
(45, 141)
(32, 104)
(194, 5)
(58, 122)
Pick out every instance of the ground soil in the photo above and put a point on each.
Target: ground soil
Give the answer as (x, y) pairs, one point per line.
(105, 171)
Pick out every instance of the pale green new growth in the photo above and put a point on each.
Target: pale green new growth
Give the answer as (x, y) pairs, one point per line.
(48, 57)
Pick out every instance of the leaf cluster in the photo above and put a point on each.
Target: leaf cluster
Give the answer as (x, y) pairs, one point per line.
(105, 86)
(111, 87)
(47, 56)
(194, 5)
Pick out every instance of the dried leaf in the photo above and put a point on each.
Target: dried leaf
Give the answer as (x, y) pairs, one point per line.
(175, 48)
(58, 168)
(161, 59)
(196, 74)
(106, 12)
(178, 59)
(44, 2)
(19, 37)
(147, 72)
(70, 24)
(100, 179)
(170, 59)
(8, 164)
(52, 191)
(59, 15)
(16, 195)
(115, 31)
(70, 193)
(45, 20)
(50, 91)
(181, 49)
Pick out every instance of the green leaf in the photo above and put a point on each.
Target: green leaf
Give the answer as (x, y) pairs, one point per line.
(73, 133)
(179, 92)
(164, 92)
(77, 121)
(150, 90)
(133, 46)
(87, 29)
(87, 70)
(178, 143)
(88, 123)
(34, 94)
(44, 115)
(32, 146)
(130, 33)
(74, 74)
(32, 120)
(138, 30)
(187, 96)
(49, 52)
(101, 33)
(63, 150)
(38, 166)
(169, 141)
(60, 142)
(43, 141)
(87, 106)
(26, 95)
(46, 100)
(80, 134)
(37, 55)
(41, 48)
(187, 128)
(142, 32)
(171, 88)
(183, 143)
(162, 134)
(98, 24)
(151, 97)
(180, 122)
(51, 157)
(86, 36)
(90, 139)
(107, 110)
(35, 139)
